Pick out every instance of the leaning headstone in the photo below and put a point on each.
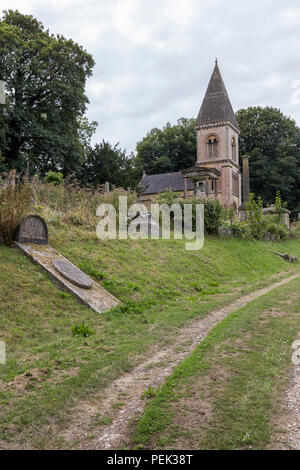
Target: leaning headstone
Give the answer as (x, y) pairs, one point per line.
(32, 229)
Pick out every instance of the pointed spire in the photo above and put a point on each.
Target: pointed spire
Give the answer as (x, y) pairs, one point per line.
(216, 106)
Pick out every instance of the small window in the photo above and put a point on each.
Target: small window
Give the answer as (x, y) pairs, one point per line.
(212, 147)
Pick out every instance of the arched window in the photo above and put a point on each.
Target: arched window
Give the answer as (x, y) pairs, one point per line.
(233, 149)
(212, 147)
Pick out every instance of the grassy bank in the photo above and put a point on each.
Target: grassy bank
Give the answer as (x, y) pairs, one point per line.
(161, 287)
(225, 395)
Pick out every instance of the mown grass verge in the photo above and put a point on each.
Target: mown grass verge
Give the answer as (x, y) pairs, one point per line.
(225, 394)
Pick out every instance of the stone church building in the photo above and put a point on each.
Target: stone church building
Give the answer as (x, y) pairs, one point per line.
(216, 172)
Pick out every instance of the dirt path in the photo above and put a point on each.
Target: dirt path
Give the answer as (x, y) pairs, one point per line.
(129, 388)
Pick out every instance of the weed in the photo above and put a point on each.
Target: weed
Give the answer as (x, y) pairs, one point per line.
(83, 330)
(151, 392)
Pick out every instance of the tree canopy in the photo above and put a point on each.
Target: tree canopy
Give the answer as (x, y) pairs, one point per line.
(45, 79)
(171, 148)
(272, 141)
(105, 162)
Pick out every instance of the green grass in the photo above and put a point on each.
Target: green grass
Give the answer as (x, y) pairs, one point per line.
(161, 287)
(238, 374)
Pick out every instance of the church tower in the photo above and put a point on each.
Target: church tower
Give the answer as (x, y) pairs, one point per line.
(218, 142)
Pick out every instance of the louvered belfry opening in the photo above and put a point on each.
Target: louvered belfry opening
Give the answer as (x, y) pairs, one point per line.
(212, 147)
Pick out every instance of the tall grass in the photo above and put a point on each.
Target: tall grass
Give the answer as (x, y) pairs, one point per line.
(67, 203)
(15, 202)
(73, 204)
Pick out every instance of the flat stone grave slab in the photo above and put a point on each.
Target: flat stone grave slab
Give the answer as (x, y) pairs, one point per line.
(73, 274)
(67, 276)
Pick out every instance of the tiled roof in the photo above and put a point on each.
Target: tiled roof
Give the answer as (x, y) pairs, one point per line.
(154, 184)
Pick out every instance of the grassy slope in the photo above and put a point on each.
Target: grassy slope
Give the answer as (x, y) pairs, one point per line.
(225, 394)
(161, 285)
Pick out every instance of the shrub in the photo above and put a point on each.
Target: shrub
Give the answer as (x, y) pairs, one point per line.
(168, 197)
(277, 231)
(15, 202)
(241, 230)
(269, 226)
(214, 214)
(256, 219)
(54, 177)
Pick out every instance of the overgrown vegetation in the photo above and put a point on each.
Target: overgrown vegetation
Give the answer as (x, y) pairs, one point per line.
(70, 203)
(218, 218)
(15, 200)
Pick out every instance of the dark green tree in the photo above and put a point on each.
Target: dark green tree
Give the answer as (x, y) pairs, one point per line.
(106, 162)
(45, 79)
(169, 149)
(272, 141)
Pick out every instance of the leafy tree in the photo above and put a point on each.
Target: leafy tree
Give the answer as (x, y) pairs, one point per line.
(109, 163)
(45, 77)
(54, 177)
(272, 141)
(169, 149)
(86, 130)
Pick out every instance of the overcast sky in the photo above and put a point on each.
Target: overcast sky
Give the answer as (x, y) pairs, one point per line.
(154, 58)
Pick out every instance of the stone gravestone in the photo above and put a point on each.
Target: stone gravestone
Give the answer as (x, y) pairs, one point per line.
(73, 274)
(32, 229)
(31, 232)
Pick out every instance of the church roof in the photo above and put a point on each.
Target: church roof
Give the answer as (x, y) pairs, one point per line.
(216, 106)
(154, 184)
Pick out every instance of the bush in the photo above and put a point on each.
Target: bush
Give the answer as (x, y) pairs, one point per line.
(241, 230)
(256, 219)
(54, 177)
(168, 197)
(15, 202)
(276, 230)
(214, 214)
(269, 226)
